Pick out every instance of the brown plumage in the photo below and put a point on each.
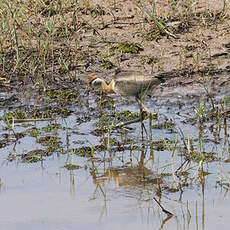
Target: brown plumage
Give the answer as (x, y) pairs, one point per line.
(127, 84)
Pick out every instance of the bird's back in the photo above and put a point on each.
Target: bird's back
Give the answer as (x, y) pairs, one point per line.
(134, 83)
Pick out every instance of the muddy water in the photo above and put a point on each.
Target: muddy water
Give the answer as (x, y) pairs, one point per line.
(113, 187)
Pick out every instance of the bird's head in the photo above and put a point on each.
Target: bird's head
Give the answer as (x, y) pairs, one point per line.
(94, 81)
(97, 83)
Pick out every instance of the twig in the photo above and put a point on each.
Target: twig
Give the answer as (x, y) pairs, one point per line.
(121, 124)
(31, 120)
(162, 208)
(186, 161)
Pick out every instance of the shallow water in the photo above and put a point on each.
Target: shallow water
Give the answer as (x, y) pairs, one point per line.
(115, 188)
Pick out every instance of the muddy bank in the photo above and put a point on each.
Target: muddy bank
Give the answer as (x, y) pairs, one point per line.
(66, 42)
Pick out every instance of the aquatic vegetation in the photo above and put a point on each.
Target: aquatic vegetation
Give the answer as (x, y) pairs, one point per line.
(34, 156)
(204, 157)
(52, 112)
(51, 127)
(16, 114)
(52, 143)
(106, 102)
(70, 166)
(121, 116)
(159, 145)
(34, 132)
(63, 96)
(83, 151)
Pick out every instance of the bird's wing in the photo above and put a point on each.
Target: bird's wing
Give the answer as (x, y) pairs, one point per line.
(134, 84)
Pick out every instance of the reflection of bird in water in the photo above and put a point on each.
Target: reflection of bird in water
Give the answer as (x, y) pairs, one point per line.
(129, 176)
(128, 84)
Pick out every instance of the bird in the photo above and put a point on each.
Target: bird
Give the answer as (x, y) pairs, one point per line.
(128, 83)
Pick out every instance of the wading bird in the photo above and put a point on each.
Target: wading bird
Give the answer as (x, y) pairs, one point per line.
(128, 84)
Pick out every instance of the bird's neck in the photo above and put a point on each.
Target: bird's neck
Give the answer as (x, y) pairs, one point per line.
(107, 88)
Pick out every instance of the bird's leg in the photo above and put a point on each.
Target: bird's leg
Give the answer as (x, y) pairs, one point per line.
(144, 112)
(143, 128)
